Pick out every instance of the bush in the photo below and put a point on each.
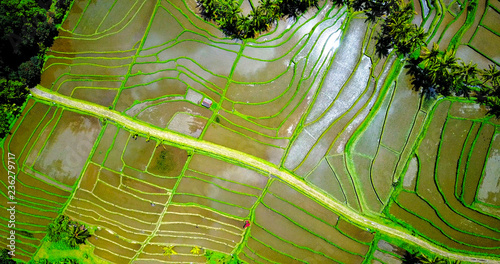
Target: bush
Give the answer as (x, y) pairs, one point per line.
(68, 232)
(30, 71)
(5, 258)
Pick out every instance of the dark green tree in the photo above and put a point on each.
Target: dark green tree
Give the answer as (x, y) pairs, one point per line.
(77, 235)
(5, 258)
(67, 231)
(30, 71)
(59, 228)
(411, 258)
(12, 95)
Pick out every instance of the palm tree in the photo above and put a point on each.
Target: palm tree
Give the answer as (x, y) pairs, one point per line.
(429, 55)
(492, 75)
(77, 235)
(428, 260)
(469, 73)
(411, 258)
(169, 251)
(196, 250)
(57, 230)
(467, 78)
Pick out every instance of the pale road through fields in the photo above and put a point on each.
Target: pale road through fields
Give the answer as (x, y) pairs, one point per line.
(141, 127)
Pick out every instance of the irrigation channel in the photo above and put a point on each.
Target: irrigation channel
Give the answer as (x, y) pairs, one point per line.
(208, 147)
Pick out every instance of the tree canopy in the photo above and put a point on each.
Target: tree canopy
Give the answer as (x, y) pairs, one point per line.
(67, 232)
(27, 28)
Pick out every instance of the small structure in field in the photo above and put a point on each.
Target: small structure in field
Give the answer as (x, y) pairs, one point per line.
(206, 102)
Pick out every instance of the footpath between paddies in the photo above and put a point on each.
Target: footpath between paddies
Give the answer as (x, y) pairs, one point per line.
(205, 146)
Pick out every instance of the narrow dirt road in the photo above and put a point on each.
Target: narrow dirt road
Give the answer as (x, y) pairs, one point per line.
(141, 127)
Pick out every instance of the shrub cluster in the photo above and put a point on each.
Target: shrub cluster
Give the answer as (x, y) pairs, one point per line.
(68, 232)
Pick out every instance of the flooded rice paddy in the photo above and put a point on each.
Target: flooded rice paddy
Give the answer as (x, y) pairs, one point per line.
(310, 97)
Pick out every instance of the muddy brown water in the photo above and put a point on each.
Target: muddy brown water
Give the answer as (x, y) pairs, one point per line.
(114, 156)
(222, 136)
(338, 165)
(452, 144)
(68, 147)
(365, 186)
(224, 183)
(488, 190)
(324, 177)
(67, 84)
(142, 186)
(209, 190)
(167, 161)
(93, 16)
(488, 48)
(253, 134)
(314, 225)
(398, 123)
(223, 208)
(106, 255)
(185, 240)
(126, 201)
(159, 34)
(103, 239)
(452, 29)
(448, 17)
(24, 129)
(90, 217)
(90, 202)
(154, 254)
(464, 156)
(200, 230)
(467, 54)
(455, 130)
(110, 177)
(168, 110)
(261, 92)
(202, 216)
(382, 173)
(138, 152)
(481, 8)
(89, 177)
(157, 181)
(475, 164)
(254, 247)
(491, 19)
(114, 220)
(105, 142)
(428, 227)
(102, 97)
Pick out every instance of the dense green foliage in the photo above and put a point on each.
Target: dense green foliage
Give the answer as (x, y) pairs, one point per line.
(27, 28)
(5, 258)
(228, 15)
(434, 72)
(68, 232)
(12, 96)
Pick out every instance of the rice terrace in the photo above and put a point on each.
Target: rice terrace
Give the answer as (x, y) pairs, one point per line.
(250, 131)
